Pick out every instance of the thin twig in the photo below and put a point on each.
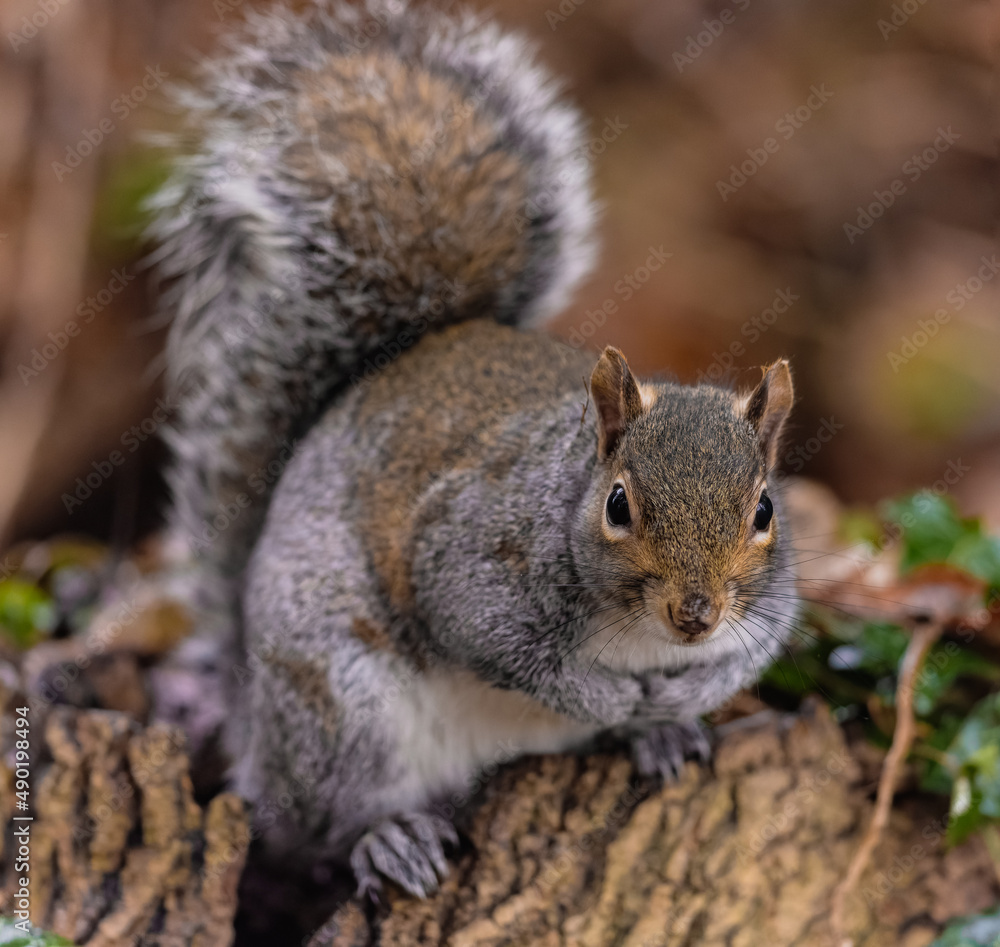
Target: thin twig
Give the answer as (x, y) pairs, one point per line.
(923, 638)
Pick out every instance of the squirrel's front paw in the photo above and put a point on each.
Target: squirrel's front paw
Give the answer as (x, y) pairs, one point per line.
(407, 849)
(661, 752)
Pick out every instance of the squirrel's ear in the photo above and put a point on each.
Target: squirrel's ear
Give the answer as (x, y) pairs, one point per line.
(616, 397)
(767, 407)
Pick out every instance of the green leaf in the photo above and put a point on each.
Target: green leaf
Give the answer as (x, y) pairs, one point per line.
(807, 673)
(939, 775)
(25, 611)
(860, 526)
(979, 554)
(120, 213)
(944, 664)
(931, 528)
(975, 749)
(853, 661)
(983, 930)
(933, 532)
(12, 936)
(881, 648)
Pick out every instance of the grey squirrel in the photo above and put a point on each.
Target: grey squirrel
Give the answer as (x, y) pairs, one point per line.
(406, 516)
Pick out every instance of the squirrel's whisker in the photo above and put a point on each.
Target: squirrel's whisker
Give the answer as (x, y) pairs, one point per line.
(549, 630)
(739, 638)
(796, 626)
(620, 632)
(593, 634)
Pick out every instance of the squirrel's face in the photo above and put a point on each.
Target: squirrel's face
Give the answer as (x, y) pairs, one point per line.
(680, 526)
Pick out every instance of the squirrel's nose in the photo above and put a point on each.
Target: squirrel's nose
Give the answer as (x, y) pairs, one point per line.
(694, 615)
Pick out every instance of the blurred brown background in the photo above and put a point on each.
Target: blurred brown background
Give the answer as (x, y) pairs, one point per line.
(812, 179)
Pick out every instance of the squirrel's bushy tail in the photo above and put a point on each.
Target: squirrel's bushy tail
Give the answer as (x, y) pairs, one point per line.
(361, 176)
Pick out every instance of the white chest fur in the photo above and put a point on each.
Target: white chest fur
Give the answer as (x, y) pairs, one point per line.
(452, 726)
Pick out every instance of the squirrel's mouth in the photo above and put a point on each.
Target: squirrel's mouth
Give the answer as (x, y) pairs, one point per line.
(693, 621)
(688, 641)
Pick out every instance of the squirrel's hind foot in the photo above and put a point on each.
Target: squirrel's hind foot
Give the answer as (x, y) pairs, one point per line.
(407, 849)
(660, 753)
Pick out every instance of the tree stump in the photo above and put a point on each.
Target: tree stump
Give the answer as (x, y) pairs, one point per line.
(120, 852)
(565, 851)
(568, 853)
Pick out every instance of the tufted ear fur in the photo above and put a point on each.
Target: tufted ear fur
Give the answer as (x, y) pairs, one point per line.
(767, 407)
(616, 397)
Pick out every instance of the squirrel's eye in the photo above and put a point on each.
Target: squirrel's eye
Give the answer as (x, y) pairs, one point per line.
(765, 511)
(618, 514)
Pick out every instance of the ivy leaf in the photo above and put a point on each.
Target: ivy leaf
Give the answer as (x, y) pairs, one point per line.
(882, 647)
(931, 528)
(979, 554)
(25, 611)
(975, 749)
(944, 664)
(933, 532)
(939, 774)
(982, 930)
(12, 936)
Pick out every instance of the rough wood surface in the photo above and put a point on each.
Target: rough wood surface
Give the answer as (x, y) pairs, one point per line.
(565, 851)
(567, 854)
(120, 852)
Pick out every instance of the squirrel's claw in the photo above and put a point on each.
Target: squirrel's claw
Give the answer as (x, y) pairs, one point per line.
(660, 753)
(408, 850)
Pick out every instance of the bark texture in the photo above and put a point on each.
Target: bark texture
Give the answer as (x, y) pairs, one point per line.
(120, 852)
(568, 854)
(566, 851)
